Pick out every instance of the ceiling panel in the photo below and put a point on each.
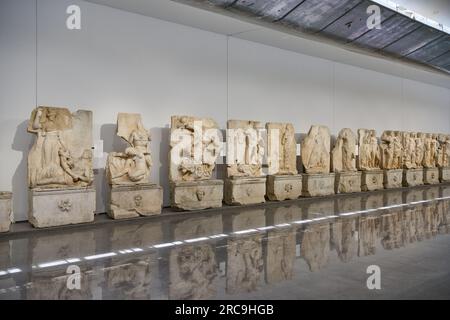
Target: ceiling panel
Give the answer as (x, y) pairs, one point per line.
(432, 50)
(391, 30)
(413, 41)
(269, 10)
(314, 15)
(443, 61)
(354, 23)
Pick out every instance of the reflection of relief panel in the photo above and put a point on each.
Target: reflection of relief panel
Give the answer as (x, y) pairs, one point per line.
(197, 227)
(192, 271)
(5, 211)
(131, 279)
(140, 235)
(280, 255)
(245, 264)
(344, 238)
(315, 245)
(392, 236)
(369, 231)
(280, 215)
(244, 220)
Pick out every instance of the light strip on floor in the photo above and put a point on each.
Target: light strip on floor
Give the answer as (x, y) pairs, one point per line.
(2, 273)
(302, 221)
(100, 256)
(266, 228)
(218, 236)
(283, 225)
(73, 260)
(163, 245)
(14, 270)
(52, 264)
(196, 240)
(245, 231)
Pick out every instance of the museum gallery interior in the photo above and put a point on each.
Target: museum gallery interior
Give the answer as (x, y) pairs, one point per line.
(209, 149)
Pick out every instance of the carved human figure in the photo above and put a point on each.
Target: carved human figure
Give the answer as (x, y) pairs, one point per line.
(419, 149)
(316, 150)
(195, 145)
(61, 155)
(132, 166)
(282, 158)
(369, 150)
(391, 150)
(344, 152)
(398, 150)
(245, 149)
(429, 151)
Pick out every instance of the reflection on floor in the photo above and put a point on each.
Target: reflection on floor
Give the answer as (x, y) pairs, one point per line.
(313, 249)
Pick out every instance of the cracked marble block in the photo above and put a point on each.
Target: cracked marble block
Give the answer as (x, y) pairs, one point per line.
(195, 146)
(431, 176)
(60, 173)
(5, 211)
(128, 172)
(444, 174)
(413, 177)
(281, 188)
(393, 178)
(53, 207)
(348, 182)
(196, 195)
(372, 180)
(135, 201)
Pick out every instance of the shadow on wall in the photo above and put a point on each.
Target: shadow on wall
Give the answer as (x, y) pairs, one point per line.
(22, 142)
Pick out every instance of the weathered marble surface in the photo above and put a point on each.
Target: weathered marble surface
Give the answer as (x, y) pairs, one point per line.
(393, 178)
(281, 149)
(344, 238)
(246, 219)
(57, 207)
(283, 187)
(315, 185)
(368, 234)
(431, 176)
(369, 151)
(61, 156)
(280, 215)
(315, 246)
(348, 182)
(431, 146)
(196, 195)
(245, 264)
(195, 145)
(391, 150)
(315, 151)
(444, 174)
(413, 177)
(5, 211)
(372, 180)
(343, 157)
(413, 146)
(245, 148)
(443, 153)
(242, 191)
(133, 166)
(135, 201)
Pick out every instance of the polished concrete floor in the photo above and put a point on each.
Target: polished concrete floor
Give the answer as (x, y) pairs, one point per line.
(306, 249)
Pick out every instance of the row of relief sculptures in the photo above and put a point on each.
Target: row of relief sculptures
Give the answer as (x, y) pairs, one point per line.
(60, 165)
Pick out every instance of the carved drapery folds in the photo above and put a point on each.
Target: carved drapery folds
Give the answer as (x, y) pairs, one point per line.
(316, 150)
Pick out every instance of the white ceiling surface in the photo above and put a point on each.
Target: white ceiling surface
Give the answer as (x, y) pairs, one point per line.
(438, 10)
(176, 12)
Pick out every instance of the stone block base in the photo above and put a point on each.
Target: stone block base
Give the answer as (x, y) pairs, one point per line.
(134, 201)
(431, 176)
(5, 211)
(393, 179)
(316, 185)
(444, 174)
(348, 182)
(372, 180)
(196, 195)
(412, 177)
(281, 188)
(241, 191)
(51, 207)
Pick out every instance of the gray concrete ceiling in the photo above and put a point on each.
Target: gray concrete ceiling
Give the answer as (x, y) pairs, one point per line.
(344, 21)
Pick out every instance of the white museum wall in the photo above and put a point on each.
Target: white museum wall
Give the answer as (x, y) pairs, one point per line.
(124, 62)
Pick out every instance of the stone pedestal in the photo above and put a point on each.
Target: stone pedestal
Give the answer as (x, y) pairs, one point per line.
(58, 207)
(372, 180)
(316, 185)
(431, 176)
(196, 195)
(5, 211)
(135, 201)
(286, 187)
(393, 179)
(348, 182)
(444, 174)
(241, 191)
(412, 177)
